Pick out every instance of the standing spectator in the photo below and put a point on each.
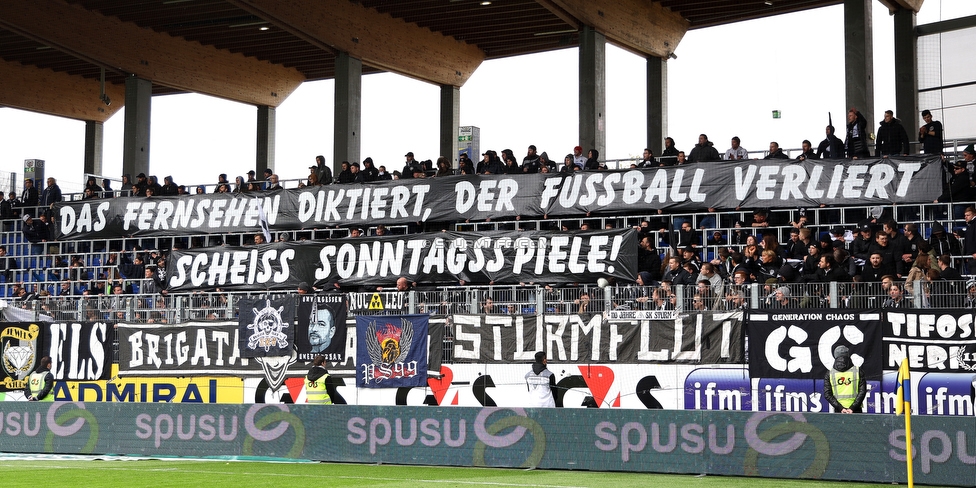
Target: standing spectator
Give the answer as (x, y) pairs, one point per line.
(345, 174)
(40, 383)
(444, 167)
(7, 265)
(29, 198)
(273, 183)
(703, 151)
(942, 242)
(844, 385)
(930, 134)
(540, 383)
(892, 140)
(775, 152)
(139, 189)
(323, 172)
(382, 175)
(35, 230)
(669, 157)
(411, 167)
(831, 147)
(126, 186)
(857, 136)
(969, 243)
(10, 209)
(169, 188)
(593, 161)
(530, 163)
(578, 159)
(807, 151)
(107, 188)
(266, 184)
(736, 151)
(93, 186)
(369, 171)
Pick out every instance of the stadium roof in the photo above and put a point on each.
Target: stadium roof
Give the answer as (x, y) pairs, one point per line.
(258, 51)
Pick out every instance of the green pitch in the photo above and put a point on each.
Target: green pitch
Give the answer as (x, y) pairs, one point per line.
(218, 474)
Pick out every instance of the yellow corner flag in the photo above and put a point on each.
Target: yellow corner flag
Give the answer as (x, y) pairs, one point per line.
(903, 403)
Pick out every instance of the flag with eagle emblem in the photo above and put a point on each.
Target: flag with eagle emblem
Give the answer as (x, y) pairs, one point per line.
(391, 350)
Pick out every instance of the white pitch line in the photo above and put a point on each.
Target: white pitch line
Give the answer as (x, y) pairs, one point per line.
(289, 475)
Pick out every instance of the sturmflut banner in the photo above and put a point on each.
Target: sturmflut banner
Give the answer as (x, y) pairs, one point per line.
(725, 185)
(445, 258)
(700, 338)
(933, 342)
(800, 343)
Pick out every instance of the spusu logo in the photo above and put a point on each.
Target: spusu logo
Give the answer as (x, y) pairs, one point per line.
(62, 427)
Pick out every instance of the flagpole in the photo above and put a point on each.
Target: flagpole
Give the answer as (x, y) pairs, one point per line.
(904, 401)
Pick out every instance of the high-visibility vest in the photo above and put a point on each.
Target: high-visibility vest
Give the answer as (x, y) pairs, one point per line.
(36, 382)
(844, 384)
(315, 391)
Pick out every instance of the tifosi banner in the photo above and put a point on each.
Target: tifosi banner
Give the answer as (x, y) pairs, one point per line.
(732, 184)
(799, 343)
(444, 257)
(937, 342)
(79, 351)
(321, 327)
(391, 351)
(699, 338)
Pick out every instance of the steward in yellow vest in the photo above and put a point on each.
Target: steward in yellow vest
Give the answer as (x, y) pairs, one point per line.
(40, 383)
(844, 385)
(315, 383)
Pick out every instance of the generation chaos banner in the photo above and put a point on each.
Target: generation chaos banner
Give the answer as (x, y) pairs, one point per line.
(444, 257)
(725, 185)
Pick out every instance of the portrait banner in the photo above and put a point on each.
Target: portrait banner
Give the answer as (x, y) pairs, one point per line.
(267, 327)
(799, 343)
(391, 351)
(322, 327)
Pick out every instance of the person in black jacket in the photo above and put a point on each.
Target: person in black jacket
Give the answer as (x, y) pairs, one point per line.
(703, 151)
(30, 197)
(40, 382)
(669, 157)
(857, 135)
(831, 147)
(930, 134)
(892, 140)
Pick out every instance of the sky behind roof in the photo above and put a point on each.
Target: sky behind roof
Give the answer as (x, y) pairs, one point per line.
(726, 82)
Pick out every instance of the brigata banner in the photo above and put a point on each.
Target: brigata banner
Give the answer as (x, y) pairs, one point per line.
(444, 257)
(937, 342)
(799, 343)
(700, 338)
(725, 185)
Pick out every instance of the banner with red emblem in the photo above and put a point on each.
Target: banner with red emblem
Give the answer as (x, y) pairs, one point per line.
(391, 351)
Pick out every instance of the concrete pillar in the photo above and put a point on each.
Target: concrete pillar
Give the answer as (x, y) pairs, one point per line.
(657, 103)
(592, 91)
(858, 62)
(906, 71)
(94, 137)
(348, 109)
(450, 121)
(135, 139)
(265, 157)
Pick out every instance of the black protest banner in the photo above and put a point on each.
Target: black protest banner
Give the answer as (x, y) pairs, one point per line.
(588, 338)
(726, 185)
(322, 327)
(267, 326)
(80, 351)
(800, 343)
(933, 342)
(20, 352)
(445, 258)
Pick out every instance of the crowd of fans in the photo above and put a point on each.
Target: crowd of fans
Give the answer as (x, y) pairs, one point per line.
(715, 258)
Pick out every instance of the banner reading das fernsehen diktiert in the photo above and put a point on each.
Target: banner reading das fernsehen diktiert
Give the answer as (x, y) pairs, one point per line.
(441, 258)
(720, 184)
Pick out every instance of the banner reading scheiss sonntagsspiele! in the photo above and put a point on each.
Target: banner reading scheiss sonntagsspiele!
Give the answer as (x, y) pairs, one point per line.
(444, 258)
(722, 185)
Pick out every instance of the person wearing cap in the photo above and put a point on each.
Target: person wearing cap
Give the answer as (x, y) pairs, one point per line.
(252, 176)
(304, 288)
(411, 167)
(831, 147)
(959, 188)
(861, 245)
(844, 385)
(578, 158)
(530, 163)
(892, 140)
(943, 242)
(930, 134)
